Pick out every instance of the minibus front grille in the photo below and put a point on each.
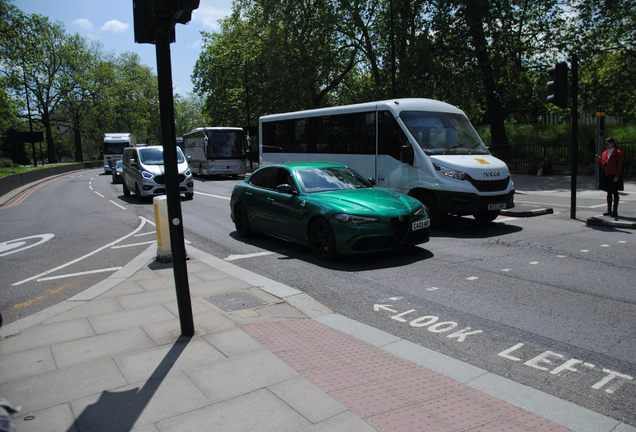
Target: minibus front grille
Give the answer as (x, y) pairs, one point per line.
(490, 185)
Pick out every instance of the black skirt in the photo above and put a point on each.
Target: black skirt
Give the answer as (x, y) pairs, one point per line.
(608, 184)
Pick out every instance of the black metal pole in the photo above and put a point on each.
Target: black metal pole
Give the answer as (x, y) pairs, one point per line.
(575, 126)
(168, 138)
(393, 91)
(247, 103)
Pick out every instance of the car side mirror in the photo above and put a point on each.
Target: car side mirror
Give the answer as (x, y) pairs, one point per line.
(285, 188)
(371, 180)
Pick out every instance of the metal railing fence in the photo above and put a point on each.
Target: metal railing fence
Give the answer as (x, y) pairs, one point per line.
(520, 158)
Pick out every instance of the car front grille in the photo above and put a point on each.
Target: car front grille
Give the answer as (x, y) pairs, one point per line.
(490, 185)
(400, 228)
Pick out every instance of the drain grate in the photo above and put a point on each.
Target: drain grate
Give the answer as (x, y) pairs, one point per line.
(230, 302)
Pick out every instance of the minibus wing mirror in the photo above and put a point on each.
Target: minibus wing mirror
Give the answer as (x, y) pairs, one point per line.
(407, 155)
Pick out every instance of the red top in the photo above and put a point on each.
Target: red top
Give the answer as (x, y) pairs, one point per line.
(613, 166)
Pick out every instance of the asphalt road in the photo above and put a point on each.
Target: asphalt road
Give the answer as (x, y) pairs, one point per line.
(547, 301)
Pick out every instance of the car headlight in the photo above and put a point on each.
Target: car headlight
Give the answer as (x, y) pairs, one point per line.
(188, 173)
(448, 172)
(420, 211)
(146, 174)
(354, 219)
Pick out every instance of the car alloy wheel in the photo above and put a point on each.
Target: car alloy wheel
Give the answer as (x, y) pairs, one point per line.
(321, 240)
(242, 221)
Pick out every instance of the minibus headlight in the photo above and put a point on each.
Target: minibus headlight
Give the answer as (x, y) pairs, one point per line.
(448, 172)
(146, 174)
(354, 219)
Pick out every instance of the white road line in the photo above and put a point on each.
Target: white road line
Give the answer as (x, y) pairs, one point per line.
(237, 257)
(141, 225)
(134, 244)
(112, 269)
(120, 206)
(213, 196)
(146, 233)
(99, 194)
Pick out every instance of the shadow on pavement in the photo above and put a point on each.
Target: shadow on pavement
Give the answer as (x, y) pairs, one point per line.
(118, 411)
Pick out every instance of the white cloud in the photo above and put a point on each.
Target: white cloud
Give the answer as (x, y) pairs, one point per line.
(115, 26)
(209, 12)
(196, 44)
(84, 23)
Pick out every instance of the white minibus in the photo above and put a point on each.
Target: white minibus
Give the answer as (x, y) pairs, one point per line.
(421, 147)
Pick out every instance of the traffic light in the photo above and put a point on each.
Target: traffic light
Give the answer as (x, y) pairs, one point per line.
(148, 14)
(559, 85)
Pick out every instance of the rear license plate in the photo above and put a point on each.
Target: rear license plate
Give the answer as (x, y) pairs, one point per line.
(496, 206)
(421, 224)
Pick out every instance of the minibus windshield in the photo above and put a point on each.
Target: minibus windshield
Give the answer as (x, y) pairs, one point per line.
(443, 133)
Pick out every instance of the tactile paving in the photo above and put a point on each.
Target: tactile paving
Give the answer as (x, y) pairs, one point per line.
(387, 391)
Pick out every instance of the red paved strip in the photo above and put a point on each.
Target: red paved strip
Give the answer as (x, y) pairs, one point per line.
(388, 392)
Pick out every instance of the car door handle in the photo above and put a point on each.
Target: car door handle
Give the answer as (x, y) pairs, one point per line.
(270, 199)
(248, 193)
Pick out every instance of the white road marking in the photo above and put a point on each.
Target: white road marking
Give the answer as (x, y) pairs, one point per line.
(99, 194)
(213, 196)
(13, 245)
(120, 206)
(78, 274)
(257, 254)
(134, 244)
(142, 224)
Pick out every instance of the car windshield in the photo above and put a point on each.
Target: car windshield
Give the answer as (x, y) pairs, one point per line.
(118, 164)
(443, 133)
(151, 156)
(316, 180)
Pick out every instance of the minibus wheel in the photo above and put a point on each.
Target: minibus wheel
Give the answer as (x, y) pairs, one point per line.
(486, 217)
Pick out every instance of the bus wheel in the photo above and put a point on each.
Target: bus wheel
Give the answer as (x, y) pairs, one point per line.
(126, 190)
(321, 240)
(486, 217)
(242, 221)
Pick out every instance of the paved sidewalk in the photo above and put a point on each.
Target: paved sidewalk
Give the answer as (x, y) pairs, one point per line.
(265, 357)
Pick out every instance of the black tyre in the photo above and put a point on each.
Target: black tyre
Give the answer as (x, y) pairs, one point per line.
(321, 240)
(189, 196)
(126, 190)
(242, 221)
(486, 217)
(138, 193)
(431, 208)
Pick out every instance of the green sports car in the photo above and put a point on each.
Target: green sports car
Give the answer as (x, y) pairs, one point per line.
(327, 206)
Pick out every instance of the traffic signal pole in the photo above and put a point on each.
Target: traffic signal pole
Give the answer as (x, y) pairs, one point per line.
(173, 196)
(154, 23)
(575, 129)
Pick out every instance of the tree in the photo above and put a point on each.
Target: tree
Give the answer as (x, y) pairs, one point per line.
(37, 54)
(188, 113)
(606, 40)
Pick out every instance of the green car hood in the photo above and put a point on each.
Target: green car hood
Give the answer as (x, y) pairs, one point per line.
(372, 200)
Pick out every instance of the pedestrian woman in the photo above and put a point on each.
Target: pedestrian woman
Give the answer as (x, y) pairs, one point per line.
(611, 163)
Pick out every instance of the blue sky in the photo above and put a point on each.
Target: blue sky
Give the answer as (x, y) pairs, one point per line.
(111, 22)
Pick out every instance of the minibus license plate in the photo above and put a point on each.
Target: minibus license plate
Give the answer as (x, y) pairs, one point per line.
(421, 224)
(496, 206)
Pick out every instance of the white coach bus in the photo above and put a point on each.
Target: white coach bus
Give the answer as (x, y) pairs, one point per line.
(421, 147)
(216, 150)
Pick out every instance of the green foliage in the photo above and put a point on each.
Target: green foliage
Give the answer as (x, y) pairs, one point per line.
(6, 163)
